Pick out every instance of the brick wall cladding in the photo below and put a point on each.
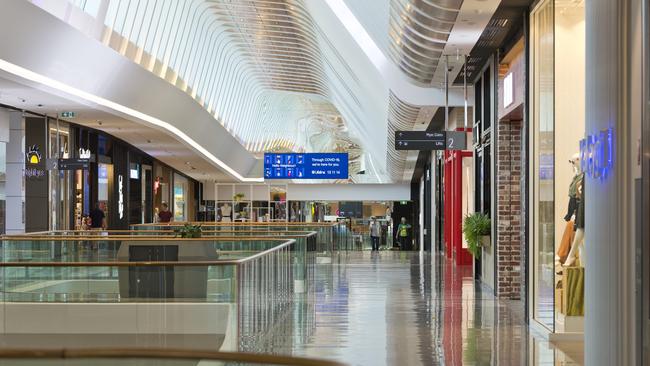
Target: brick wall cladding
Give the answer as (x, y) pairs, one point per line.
(509, 245)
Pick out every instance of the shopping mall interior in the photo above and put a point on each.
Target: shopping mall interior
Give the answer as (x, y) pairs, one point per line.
(325, 182)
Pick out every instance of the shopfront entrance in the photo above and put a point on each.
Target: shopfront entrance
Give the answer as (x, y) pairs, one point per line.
(557, 115)
(459, 201)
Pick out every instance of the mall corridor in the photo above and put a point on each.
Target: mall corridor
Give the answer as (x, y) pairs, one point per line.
(325, 182)
(396, 308)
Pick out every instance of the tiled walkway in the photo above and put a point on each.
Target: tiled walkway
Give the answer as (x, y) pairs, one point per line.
(397, 308)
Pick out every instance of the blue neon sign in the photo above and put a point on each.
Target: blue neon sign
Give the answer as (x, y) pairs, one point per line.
(306, 166)
(597, 154)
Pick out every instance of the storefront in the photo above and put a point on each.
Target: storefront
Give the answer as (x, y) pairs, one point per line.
(484, 100)
(248, 202)
(557, 203)
(124, 182)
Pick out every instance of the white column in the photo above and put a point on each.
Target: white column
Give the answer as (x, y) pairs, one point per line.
(15, 186)
(613, 93)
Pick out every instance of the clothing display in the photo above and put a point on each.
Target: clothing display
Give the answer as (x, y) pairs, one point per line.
(226, 212)
(580, 211)
(576, 247)
(574, 196)
(573, 303)
(573, 187)
(567, 240)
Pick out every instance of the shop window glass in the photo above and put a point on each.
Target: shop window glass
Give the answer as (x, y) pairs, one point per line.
(544, 233)
(558, 116)
(180, 197)
(3, 181)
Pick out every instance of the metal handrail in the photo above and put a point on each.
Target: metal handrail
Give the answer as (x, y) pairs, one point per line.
(153, 353)
(149, 263)
(120, 232)
(136, 238)
(237, 223)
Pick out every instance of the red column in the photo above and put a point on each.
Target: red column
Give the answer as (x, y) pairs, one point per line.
(453, 206)
(447, 205)
(462, 255)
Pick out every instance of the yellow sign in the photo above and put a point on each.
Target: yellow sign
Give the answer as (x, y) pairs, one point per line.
(33, 155)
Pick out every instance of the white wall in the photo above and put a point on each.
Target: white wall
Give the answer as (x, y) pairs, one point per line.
(569, 104)
(349, 192)
(15, 185)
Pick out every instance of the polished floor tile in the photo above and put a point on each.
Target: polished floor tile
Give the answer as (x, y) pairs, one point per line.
(400, 308)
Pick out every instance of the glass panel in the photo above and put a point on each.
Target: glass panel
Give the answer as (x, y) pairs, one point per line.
(180, 197)
(3, 181)
(569, 129)
(544, 232)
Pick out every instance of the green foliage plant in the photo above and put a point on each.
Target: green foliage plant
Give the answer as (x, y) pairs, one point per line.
(189, 231)
(475, 226)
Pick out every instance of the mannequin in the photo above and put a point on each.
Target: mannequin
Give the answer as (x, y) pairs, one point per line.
(226, 213)
(569, 231)
(579, 212)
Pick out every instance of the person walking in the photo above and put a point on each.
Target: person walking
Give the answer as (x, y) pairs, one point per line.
(375, 233)
(402, 234)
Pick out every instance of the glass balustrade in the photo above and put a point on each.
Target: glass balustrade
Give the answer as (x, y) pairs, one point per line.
(334, 236)
(230, 290)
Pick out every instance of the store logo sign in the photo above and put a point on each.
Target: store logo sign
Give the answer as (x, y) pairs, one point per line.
(34, 173)
(33, 168)
(84, 153)
(597, 154)
(33, 155)
(120, 196)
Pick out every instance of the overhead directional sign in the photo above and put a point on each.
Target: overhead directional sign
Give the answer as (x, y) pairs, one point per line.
(430, 140)
(67, 114)
(455, 140)
(419, 140)
(306, 166)
(74, 164)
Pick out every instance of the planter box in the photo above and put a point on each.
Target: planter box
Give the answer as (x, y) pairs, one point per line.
(486, 241)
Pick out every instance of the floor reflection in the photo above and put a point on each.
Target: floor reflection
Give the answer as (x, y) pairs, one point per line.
(399, 308)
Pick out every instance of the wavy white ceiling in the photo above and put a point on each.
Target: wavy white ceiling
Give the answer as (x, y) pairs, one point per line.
(290, 75)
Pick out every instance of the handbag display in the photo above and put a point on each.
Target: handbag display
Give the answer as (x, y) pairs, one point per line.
(567, 239)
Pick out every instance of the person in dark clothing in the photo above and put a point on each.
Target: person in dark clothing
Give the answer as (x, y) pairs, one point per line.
(97, 218)
(375, 233)
(165, 215)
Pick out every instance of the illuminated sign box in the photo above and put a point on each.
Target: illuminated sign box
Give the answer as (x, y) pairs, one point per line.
(306, 166)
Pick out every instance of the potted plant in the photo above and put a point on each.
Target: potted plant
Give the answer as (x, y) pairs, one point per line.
(476, 228)
(189, 231)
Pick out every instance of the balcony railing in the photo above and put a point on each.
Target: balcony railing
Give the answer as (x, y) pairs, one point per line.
(148, 356)
(149, 288)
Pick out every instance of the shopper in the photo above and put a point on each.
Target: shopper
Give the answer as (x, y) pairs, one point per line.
(375, 233)
(97, 218)
(402, 234)
(165, 215)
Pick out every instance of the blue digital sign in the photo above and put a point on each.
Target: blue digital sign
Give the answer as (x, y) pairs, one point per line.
(597, 154)
(306, 166)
